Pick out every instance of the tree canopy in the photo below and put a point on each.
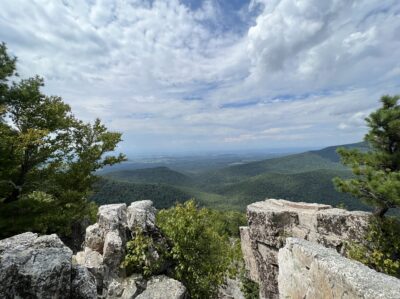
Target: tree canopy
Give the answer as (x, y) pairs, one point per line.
(377, 171)
(47, 156)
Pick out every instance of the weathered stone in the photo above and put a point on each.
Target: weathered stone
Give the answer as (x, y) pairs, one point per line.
(93, 261)
(113, 251)
(142, 215)
(231, 289)
(272, 221)
(133, 285)
(309, 270)
(163, 287)
(34, 267)
(112, 217)
(248, 255)
(115, 289)
(83, 283)
(94, 238)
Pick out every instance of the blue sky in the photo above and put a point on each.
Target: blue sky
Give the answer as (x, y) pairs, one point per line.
(222, 75)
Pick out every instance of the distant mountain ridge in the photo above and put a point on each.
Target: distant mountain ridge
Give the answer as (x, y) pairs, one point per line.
(156, 175)
(299, 177)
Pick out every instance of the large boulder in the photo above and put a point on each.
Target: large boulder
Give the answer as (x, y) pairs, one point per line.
(34, 267)
(272, 221)
(142, 215)
(309, 270)
(112, 217)
(94, 238)
(83, 283)
(113, 251)
(163, 287)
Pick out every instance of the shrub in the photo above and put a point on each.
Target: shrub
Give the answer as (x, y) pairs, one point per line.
(382, 249)
(143, 255)
(201, 255)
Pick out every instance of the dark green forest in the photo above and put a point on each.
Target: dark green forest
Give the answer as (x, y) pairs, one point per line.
(299, 177)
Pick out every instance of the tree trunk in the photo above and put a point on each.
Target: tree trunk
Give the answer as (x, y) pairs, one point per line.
(380, 211)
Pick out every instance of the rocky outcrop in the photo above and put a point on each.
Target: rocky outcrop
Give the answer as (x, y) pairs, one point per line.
(163, 287)
(309, 270)
(231, 289)
(104, 250)
(270, 222)
(33, 266)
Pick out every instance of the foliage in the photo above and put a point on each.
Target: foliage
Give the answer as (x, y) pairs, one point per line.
(377, 171)
(381, 251)
(201, 255)
(143, 255)
(249, 288)
(156, 175)
(47, 157)
(109, 191)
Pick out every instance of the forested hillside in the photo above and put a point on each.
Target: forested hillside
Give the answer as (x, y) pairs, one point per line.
(299, 177)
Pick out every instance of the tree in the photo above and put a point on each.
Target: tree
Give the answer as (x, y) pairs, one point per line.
(201, 255)
(377, 172)
(47, 156)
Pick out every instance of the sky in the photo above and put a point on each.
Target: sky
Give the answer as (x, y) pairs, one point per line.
(201, 75)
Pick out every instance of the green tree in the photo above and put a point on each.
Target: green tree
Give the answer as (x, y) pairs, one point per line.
(47, 156)
(377, 172)
(201, 255)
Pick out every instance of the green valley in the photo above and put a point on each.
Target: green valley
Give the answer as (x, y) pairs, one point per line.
(299, 177)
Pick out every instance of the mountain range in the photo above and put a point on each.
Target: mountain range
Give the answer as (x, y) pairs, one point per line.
(298, 177)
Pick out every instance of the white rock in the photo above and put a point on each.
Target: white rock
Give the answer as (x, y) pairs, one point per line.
(112, 217)
(312, 271)
(113, 251)
(142, 214)
(94, 238)
(163, 287)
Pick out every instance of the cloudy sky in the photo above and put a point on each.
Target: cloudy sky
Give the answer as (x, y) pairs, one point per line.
(205, 75)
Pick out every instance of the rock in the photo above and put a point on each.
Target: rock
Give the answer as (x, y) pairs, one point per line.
(93, 261)
(231, 290)
(83, 283)
(34, 267)
(248, 254)
(112, 217)
(94, 238)
(142, 214)
(312, 271)
(89, 258)
(113, 251)
(133, 285)
(115, 289)
(272, 221)
(163, 287)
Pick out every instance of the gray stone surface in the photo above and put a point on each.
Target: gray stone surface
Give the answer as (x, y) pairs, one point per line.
(83, 283)
(231, 289)
(112, 217)
(142, 214)
(163, 287)
(248, 254)
(272, 221)
(94, 238)
(114, 250)
(312, 271)
(34, 267)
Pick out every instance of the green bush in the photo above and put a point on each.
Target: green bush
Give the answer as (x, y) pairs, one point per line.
(249, 288)
(201, 254)
(143, 255)
(381, 250)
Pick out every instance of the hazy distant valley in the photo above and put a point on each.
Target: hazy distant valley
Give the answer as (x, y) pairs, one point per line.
(228, 182)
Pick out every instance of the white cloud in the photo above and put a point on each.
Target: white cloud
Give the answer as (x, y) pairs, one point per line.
(167, 75)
